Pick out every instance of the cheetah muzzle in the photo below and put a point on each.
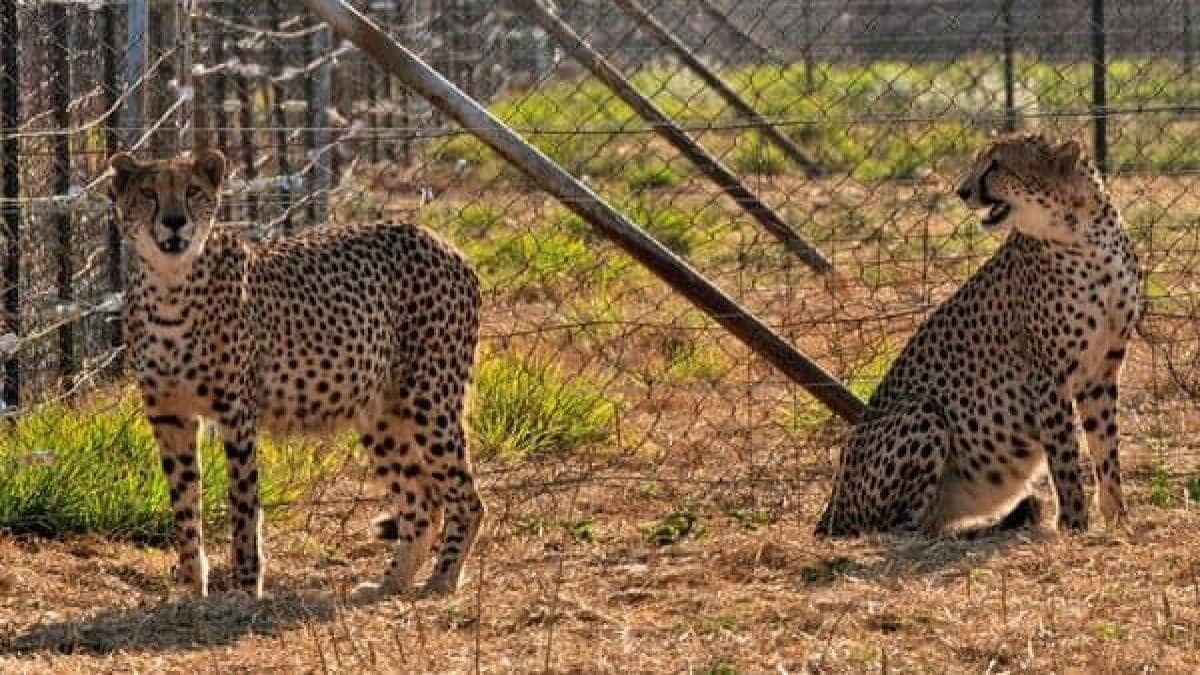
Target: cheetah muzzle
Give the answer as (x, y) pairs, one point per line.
(988, 393)
(371, 327)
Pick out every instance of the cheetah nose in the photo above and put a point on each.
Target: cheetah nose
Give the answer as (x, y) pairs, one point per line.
(174, 222)
(964, 192)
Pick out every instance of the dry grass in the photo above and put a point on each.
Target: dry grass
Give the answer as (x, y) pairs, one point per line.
(748, 594)
(682, 543)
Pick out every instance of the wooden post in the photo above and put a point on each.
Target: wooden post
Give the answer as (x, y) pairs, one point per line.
(60, 103)
(10, 107)
(652, 25)
(708, 165)
(283, 162)
(368, 75)
(112, 144)
(318, 116)
(422, 79)
(164, 26)
(247, 146)
(185, 120)
(220, 92)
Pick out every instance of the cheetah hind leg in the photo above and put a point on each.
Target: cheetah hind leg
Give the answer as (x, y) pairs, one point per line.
(890, 475)
(415, 505)
(465, 513)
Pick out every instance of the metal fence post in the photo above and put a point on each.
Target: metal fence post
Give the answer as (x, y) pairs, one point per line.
(10, 98)
(810, 83)
(136, 42)
(1099, 91)
(1010, 104)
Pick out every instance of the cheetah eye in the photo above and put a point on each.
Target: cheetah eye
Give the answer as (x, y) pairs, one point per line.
(148, 193)
(193, 191)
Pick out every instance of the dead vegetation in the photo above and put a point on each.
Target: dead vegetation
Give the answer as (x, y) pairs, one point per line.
(679, 539)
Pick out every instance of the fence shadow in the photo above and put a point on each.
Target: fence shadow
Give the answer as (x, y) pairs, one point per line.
(181, 625)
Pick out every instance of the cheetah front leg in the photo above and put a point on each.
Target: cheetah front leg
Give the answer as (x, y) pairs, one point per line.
(1098, 409)
(176, 438)
(239, 439)
(1061, 442)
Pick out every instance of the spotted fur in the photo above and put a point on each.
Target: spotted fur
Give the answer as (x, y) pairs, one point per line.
(372, 327)
(986, 394)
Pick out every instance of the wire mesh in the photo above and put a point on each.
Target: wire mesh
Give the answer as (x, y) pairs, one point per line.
(609, 413)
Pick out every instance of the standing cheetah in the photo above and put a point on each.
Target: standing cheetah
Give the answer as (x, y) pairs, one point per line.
(373, 327)
(985, 394)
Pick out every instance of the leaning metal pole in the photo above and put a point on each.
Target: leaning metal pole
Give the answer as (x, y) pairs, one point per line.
(710, 166)
(744, 110)
(417, 75)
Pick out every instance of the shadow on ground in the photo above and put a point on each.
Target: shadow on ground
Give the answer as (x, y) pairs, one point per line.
(171, 626)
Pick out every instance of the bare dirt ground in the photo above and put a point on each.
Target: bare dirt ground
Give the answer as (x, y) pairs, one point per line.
(547, 593)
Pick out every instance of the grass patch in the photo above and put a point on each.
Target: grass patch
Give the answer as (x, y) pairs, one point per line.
(679, 525)
(478, 219)
(581, 530)
(689, 360)
(95, 469)
(527, 408)
(652, 175)
(757, 156)
(750, 519)
(1160, 486)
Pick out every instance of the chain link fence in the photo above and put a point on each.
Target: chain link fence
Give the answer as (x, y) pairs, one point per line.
(608, 409)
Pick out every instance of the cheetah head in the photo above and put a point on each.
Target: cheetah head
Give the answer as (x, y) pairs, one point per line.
(1034, 186)
(167, 207)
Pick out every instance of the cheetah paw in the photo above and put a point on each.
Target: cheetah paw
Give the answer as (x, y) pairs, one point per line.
(366, 592)
(370, 591)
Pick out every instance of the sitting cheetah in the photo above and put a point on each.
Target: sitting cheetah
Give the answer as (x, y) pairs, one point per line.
(373, 327)
(985, 394)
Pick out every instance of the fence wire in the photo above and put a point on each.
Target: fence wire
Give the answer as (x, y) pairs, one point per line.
(608, 411)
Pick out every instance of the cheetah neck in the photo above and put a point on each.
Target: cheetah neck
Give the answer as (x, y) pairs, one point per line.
(206, 281)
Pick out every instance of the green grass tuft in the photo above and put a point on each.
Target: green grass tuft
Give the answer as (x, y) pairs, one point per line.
(652, 175)
(757, 156)
(524, 408)
(478, 219)
(95, 469)
(679, 525)
(1160, 486)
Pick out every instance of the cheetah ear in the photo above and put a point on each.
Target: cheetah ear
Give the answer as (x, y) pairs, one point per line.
(1066, 156)
(124, 168)
(209, 164)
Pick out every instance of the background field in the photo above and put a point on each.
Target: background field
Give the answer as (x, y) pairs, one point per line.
(652, 483)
